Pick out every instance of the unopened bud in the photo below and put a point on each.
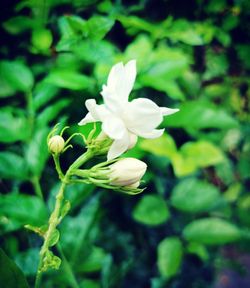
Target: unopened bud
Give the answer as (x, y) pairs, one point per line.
(56, 144)
(127, 172)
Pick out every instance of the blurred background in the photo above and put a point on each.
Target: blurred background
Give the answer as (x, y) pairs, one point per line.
(190, 227)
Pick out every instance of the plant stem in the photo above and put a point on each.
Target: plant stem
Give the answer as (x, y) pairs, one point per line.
(55, 215)
(53, 222)
(37, 187)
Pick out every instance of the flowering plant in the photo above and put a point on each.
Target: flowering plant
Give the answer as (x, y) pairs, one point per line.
(122, 122)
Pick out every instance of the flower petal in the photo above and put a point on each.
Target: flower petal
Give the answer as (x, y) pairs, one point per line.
(118, 147)
(152, 134)
(114, 127)
(120, 83)
(130, 74)
(142, 115)
(98, 112)
(168, 111)
(87, 119)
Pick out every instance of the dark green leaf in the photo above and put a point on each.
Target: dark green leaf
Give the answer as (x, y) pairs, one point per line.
(192, 195)
(10, 274)
(151, 210)
(18, 75)
(12, 166)
(211, 231)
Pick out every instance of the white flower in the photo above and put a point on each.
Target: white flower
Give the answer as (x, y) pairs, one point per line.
(127, 172)
(122, 120)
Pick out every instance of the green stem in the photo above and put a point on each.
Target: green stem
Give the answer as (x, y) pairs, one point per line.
(55, 215)
(58, 166)
(37, 187)
(53, 222)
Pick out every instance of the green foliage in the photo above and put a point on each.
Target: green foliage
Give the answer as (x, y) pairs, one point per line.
(169, 256)
(57, 54)
(211, 231)
(151, 210)
(10, 273)
(194, 196)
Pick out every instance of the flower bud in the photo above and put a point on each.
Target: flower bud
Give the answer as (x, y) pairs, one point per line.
(56, 144)
(127, 172)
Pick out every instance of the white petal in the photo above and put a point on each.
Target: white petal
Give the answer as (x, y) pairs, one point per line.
(114, 127)
(142, 115)
(168, 111)
(98, 112)
(87, 119)
(119, 85)
(118, 147)
(130, 74)
(152, 134)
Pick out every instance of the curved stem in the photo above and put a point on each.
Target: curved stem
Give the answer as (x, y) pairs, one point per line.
(37, 187)
(55, 215)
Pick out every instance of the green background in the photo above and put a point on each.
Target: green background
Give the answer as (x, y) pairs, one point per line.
(190, 227)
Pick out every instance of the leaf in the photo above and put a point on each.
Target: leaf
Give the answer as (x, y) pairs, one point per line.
(200, 115)
(43, 93)
(69, 80)
(151, 210)
(93, 262)
(50, 113)
(19, 24)
(51, 261)
(12, 166)
(37, 154)
(211, 231)
(41, 39)
(169, 256)
(10, 274)
(54, 238)
(15, 210)
(192, 195)
(203, 153)
(162, 146)
(18, 75)
(28, 261)
(12, 127)
(99, 26)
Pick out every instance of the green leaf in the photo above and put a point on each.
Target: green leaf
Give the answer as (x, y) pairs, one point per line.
(37, 152)
(93, 262)
(50, 113)
(19, 24)
(169, 256)
(18, 75)
(192, 195)
(43, 93)
(12, 166)
(51, 261)
(203, 153)
(28, 261)
(10, 274)
(69, 80)
(99, 26)
(200, 115)
(12, 127)
(211, 231)
(54, 238)
(162, 146)
(15, 211)
(151, 210)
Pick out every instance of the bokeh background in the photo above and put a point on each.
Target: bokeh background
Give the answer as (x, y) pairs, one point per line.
(190, 227)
